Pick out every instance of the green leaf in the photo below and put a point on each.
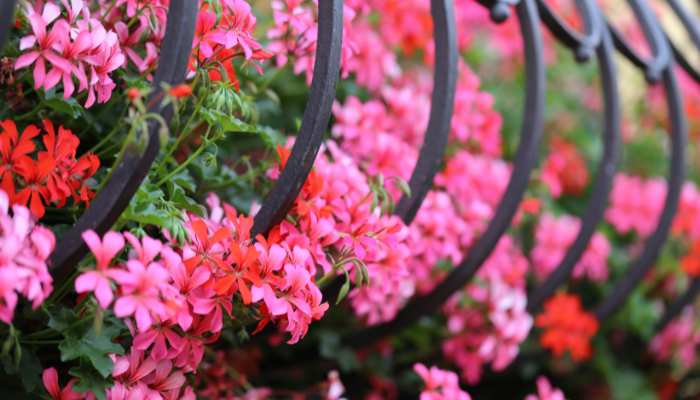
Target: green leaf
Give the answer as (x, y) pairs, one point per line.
(30, 370)
(344, 289)
(90, 381)
(94, 348)
(227, 122)
(68, 106)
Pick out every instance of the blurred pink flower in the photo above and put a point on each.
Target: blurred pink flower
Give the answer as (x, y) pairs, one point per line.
(439, 384)
(24, 251)
(545, 391)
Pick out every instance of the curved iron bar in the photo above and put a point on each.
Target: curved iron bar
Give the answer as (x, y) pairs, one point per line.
(677, 306)
(525, 159)
(437, 133)
(7, 11)
(128, 175)
(595, 207)
(661, 54)
(314, 123)
(441, 108)
(499, 10)
(653, 244)
(692, 26)
(583, 45)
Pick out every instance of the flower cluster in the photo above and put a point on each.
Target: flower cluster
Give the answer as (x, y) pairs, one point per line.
(295, 34)
(175, 300)
(220, 38)
(687, 221)
(564, 171)
(554, 235)
(691, 261)
(439, 384)
(140, 27)
(678, 341)
(24, 250)
(638, 213)
(567, 327)
(487, 326)
(71, 47)
(52, 176)
(340, 226)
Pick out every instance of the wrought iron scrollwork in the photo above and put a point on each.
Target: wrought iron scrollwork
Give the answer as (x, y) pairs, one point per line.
(525, 159)
(441, 108)
(128, 175)
(595, 207)
(662, 59)
(314, 123)
(599, 38)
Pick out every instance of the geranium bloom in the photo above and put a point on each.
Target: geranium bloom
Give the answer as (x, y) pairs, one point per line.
(554, 235)
(567, 327)
(295, 35)
(52, 176)
(678, 341)
(50, 379)
(24, 251)
(439, 384)
(691, 261)
(98, 280)
(545, 391)
(564, 171)
(62, 49)
(141, 286)
(221, 37)
(638, 213)
(14, 148)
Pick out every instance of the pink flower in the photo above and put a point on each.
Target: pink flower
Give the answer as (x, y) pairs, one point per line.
(545, 391)
(439, 384)
(98, 280)
(47, 40)
(638, 213)
(50, 379)
(554, 235)
(79, 47)
(24, 250)
(678, 341)
(140, 296)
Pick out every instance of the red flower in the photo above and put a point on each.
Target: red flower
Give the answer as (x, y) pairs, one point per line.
(13, 149)
(35, 193)
(133, 94)
(691, 261)
(181, 91)
(567, 326)
(49, 176)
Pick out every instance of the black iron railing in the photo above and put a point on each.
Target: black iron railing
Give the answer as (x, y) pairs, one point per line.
(599, 40)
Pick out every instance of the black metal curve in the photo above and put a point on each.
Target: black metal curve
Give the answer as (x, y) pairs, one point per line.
(128, 175)
(603, 182)
(499, 9)
(661, 54)
(441, 109)
(7, 11)
(652, 246)
(314, 123)
(583, 44)
(692, 26)
(524, 162)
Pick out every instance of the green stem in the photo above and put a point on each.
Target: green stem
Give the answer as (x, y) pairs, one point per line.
(182, 166)
(109, 136)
